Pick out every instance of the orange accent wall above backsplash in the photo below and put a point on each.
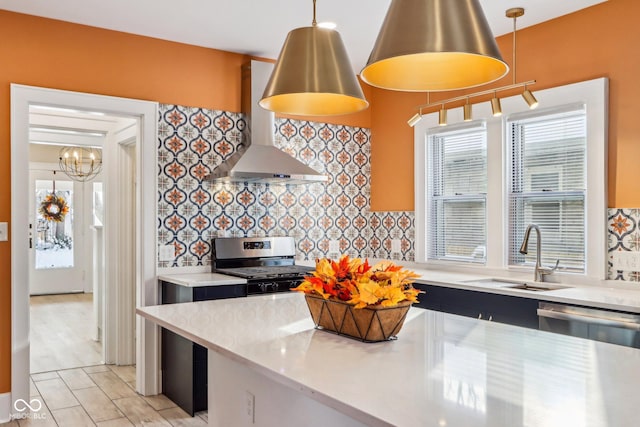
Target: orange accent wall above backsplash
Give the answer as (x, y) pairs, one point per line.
(594, 42)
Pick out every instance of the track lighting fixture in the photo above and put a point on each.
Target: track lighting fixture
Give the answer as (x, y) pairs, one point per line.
(442, 116)
(514, 13)
(496, 107)
(466, 109)
(531, 100)
(415, 119)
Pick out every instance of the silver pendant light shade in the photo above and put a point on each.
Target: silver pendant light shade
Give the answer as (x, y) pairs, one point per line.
(434, 45)
(313, 76)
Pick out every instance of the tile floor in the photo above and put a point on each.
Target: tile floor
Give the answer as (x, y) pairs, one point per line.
(62, 332)
(101, 396)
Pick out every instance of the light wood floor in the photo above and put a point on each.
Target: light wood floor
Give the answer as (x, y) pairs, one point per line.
(101, 396)
(72, 384)
(62, 333)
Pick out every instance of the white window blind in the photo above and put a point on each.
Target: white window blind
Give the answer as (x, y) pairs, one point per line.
(548, 184)
(457, 189)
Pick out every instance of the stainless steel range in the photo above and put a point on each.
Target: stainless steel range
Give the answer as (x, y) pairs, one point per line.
(268, 263)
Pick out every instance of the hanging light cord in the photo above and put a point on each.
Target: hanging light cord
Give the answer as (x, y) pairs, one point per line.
(515, 17)
(515, 13)
(314, 22)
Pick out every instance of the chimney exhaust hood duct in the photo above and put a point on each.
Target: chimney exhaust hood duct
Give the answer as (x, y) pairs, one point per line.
(257, 158)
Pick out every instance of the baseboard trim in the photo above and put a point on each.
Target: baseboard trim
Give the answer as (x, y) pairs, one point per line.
(5, 407)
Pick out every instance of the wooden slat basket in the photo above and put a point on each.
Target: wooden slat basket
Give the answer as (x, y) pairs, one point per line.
(368, 324)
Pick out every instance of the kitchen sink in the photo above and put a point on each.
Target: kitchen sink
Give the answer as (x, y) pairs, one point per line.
(542, 287)
(516, 284)
(495, 282)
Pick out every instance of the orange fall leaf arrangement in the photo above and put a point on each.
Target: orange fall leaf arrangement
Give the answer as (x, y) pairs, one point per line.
(360, 284)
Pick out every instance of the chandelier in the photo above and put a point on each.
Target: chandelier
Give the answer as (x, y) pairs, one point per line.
(81, 163)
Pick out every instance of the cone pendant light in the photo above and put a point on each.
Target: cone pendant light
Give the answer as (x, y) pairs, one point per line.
(434, 45)
(313, 75)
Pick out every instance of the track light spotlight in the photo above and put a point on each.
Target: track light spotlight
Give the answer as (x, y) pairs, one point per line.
(531, 100)
(496, 108)
(442, 116)
(466, 109)
(415, 119)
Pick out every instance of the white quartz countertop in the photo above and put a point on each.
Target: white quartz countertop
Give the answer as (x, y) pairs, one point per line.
(607, 297)
(194, 280)
(607, 294)
(444, 370)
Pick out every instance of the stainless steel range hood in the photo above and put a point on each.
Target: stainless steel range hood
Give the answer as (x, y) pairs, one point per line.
(258, 160)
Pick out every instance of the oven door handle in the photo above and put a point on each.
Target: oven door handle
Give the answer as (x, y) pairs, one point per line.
(604, 321)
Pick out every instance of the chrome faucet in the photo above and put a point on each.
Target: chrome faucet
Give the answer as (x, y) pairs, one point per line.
(539, 271)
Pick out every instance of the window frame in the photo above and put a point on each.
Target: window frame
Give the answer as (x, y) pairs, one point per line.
(594, 94)
(432, 135)
(517, 188)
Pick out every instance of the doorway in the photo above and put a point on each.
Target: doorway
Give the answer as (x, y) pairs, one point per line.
(145, 289)
(66, 217)
(58, 240)
(64, 325)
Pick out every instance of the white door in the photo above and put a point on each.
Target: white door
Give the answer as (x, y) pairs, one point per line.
(56, 241)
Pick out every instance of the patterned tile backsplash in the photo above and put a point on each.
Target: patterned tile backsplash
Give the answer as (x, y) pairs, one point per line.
(623, 235)
(191, 210)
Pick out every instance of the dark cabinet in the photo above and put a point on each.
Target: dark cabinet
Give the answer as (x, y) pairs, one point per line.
(480, 305)
(184, 363)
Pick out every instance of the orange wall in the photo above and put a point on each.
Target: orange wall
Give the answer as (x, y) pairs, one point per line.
(42, 52)
(48, 53)
(599, 41)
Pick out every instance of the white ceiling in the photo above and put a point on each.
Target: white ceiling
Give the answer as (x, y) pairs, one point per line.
(259, 27)
(64, 127)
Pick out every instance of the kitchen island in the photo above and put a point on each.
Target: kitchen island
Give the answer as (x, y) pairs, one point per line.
(268, 366)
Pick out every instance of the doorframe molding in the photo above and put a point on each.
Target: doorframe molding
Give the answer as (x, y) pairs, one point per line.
(147, 342)
(122, 249)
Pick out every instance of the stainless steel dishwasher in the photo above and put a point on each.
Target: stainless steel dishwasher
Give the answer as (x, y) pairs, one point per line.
(592, 323)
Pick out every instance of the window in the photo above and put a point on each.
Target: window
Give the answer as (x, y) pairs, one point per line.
(457, 193)
(545, 166)
(548, 185)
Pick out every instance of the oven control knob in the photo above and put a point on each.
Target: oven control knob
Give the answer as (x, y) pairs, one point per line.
(263, 286)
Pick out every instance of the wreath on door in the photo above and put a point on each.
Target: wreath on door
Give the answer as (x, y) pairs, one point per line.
(53, 208)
